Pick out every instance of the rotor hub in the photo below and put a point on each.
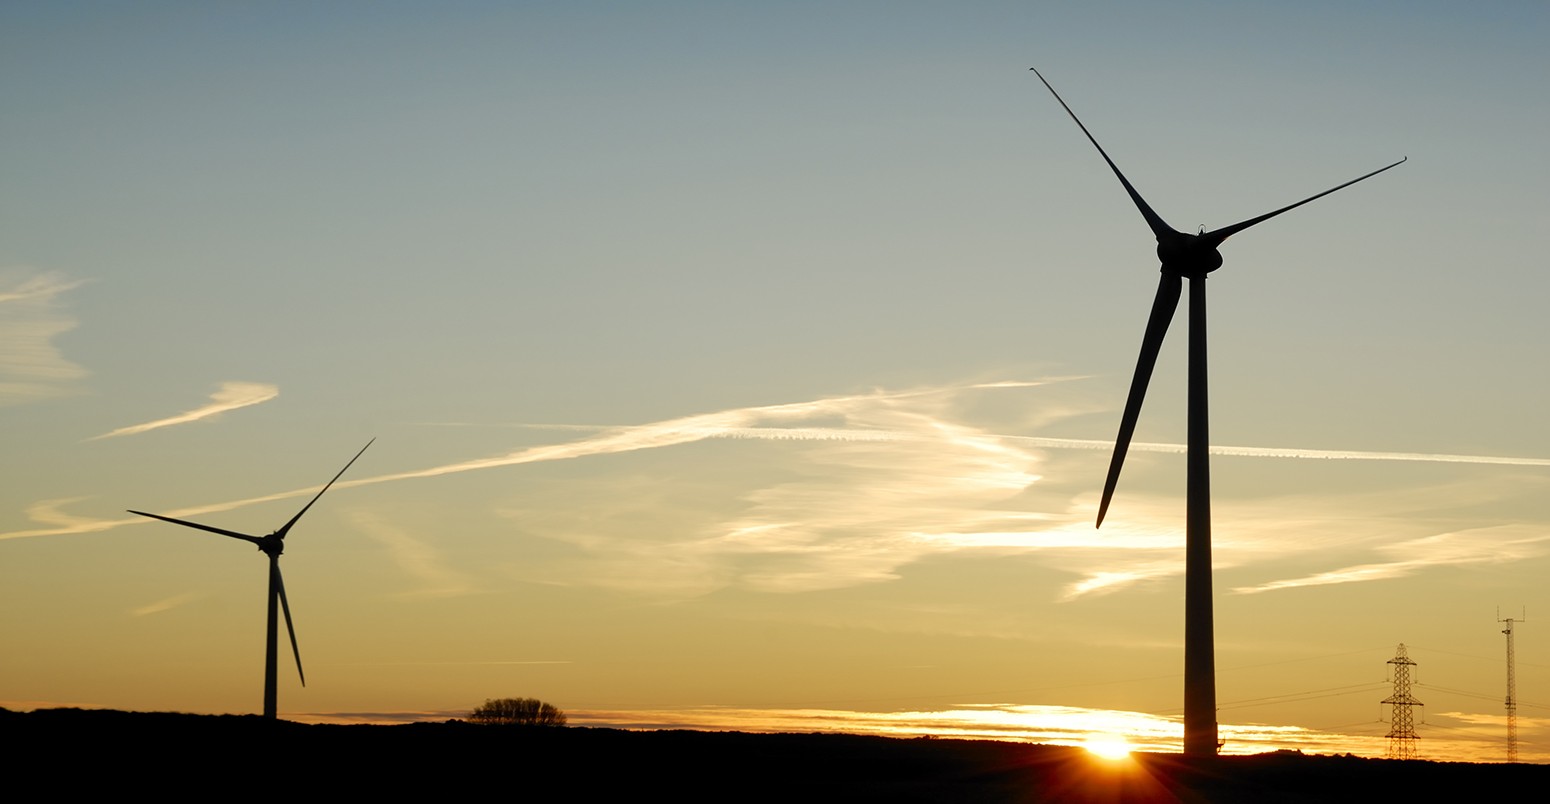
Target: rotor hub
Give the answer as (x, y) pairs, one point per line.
(1188, 255)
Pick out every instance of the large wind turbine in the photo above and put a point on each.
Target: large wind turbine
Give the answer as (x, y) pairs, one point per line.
(272, 545)
(1193, 256)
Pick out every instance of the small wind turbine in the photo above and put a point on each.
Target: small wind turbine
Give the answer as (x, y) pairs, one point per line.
(272, 545)
(1193, 256)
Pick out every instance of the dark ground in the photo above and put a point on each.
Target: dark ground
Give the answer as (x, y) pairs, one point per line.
(236, 756)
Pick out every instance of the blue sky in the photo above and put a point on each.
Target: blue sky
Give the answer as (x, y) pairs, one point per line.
(726, 356)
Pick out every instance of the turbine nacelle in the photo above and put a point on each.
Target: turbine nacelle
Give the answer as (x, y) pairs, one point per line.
(1191, 255)
(271, 545)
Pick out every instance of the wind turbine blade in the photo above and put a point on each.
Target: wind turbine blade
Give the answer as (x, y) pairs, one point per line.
(1225, 232)
(287, 526)
(1159, 227)
(285, 606)
(186, 523)
(1163, 305)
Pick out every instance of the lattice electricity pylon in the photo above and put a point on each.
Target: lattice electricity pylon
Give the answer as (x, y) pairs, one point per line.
(1401, 722)
(1512, 690)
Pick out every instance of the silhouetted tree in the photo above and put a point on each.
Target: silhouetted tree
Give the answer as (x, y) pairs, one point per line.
(517, 712)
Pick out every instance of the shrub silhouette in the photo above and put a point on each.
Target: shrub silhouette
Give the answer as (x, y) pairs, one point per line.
(517, 712)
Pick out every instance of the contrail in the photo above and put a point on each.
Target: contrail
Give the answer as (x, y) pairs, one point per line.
(1293, 452)
(665, 433)
(732, 423)
(857, 434)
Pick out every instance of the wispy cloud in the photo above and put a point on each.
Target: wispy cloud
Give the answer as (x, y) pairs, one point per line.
(1481, 546)
(1105, 581)
(414, 556)
(1492, 724)
(1290, 452)
(230, 396)
(901, 480)
(630, 438)
(895, 482)
(31, 365)
(708, 428)
(1256, 535)
(165, 604)
(857, 434)
(867, 484)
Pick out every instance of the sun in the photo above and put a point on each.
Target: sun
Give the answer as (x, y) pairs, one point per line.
(1107, 746)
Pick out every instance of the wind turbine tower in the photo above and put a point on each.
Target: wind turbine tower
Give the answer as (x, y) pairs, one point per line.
(272, 546)
(1512, 689)
(1401, 721)
(1185, 256)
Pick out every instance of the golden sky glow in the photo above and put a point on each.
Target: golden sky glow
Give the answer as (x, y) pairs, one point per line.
(756, 367)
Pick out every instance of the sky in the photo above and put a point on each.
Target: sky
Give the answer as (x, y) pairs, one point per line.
(756, 367)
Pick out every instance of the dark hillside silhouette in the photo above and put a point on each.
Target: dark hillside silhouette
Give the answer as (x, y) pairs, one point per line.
(121, 751)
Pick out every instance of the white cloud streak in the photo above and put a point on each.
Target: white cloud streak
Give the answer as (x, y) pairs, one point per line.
(416, 557)
(883, 480)
(858, 434)
(1495, 545)
(862, 508)
(1290, 452)
(31, 366)
(165, 604)
(230, 396)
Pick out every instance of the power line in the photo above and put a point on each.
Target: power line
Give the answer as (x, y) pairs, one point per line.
(1425, 649)
(1451, 691)
(1296, 697)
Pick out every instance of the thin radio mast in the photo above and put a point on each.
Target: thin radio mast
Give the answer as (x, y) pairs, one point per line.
(1512, 686)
